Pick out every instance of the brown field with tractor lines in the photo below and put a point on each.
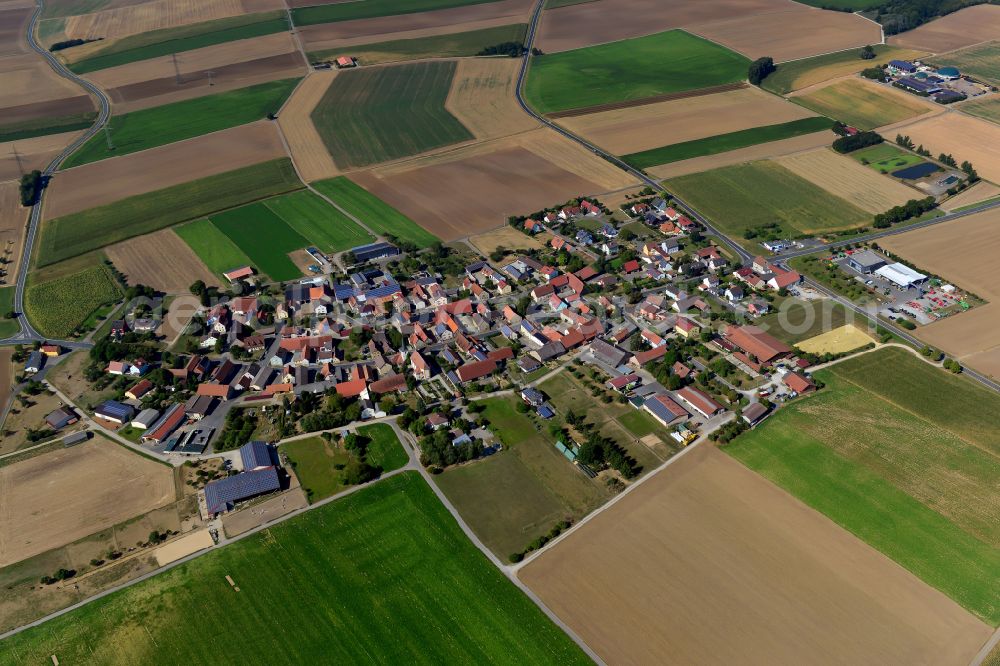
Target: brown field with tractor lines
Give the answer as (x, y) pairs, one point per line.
(972, 25)
(117, 178)
(638, 128)
(738, 571)
(848, 179)
(33, 153)
(161, 260)
(963, 137)
(133, 19)
(482, 98)
(761, 151)
(13, 23)
(963, 251)
(311, 157)
(27, 79)
(108, 484)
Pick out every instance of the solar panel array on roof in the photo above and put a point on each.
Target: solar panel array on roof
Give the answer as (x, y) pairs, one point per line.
(114, 410)
(256, 454)
(223, 494)
(374, 251)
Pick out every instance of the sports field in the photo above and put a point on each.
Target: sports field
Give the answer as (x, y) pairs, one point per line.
(799, 74)
(379, 576)
(375, 115)
(722, 143)
(212, 246)
(87, 230)
(163, 42)
(451, 45)
(140, 130)
(749, 196)
(981, 61)
(904, 455)
(667, 62)
(885, 157)
(264, 236)
(346, 11)
(375, 213)
(57, 307)
(863, 104)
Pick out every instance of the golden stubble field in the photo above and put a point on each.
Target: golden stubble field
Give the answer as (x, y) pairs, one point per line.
(969, 26)
(709, 563)
(133, 19)
(964, 137)
(56, 498)
(963, 251)
(305, 144)
(482, 98)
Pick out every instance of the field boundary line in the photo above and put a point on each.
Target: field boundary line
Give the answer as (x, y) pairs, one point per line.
(986, 649)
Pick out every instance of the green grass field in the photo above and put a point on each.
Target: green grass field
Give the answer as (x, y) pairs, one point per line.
(75, 234)
(860, 104)
(981, 61)
(886, 158)
(57, 307)
(46, 126)
(320, 223)
(805, 72)
(904, 456)
(749, 196)
(373, 212)
(164, 42)
(8, 327)
(375, 115)
(988, 109)
(722, 143)
(264, 237)
(380, 576)
(149, 128)
(212, 246)
(667, 62)
(793, 320)
(384, 450)
(348, 11)
(453, 45)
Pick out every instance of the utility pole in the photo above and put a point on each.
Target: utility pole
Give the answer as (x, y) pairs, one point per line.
(177, 69)
(107, 136)
(17, 158)
(210, 73)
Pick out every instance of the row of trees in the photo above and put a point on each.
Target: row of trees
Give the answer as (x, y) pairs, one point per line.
(911, 209)
(852, 142)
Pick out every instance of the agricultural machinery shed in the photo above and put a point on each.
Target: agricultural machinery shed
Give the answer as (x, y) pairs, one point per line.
(902, 276)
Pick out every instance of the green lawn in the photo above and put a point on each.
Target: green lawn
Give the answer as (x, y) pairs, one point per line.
(667, 62)
(212, 246)
(373, 212)
(381, 576)
(375, 115)
(45, 126)
(8, 327)
(166, 41)
(886, 157)
(384, 450)
(452, 45)
(75, 234)
(320, 223)
(264, 237)
(799, 74)
(904, 456)
(639, 423)
(149, 128)
(57, 307)
(315, 463)
(861, 104)
(722, 143)
(348, 11)
(750, 196)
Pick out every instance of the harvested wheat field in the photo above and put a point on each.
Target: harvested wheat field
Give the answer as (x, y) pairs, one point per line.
(966, 27)
(27, 79)
(742, 155)
(56, 498)
(979, 192)
(325, 36)
(844, 339)
(967, 138)
(482, 98)
(846, 178)
(864, 104)
(964, 252)
(311, 158)
(638, 128)
(161, 260)
(110, 180)
(133, 19)
(712, 564)
(34, 153)
(506, 237)
(796, 31)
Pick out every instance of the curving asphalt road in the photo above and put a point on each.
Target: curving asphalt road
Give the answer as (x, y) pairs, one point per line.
(28, 332)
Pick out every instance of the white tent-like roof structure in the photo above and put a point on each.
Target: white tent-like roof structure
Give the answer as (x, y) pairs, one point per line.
(900, 275)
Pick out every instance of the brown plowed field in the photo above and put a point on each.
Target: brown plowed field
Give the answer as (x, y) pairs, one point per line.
(308, 151)
(55, 108)
(967, 138)
(844, 177)
(963, 251)
(33, 153)
(56, 498)
(708, 563)
(796, 32)
(195, 84)
(117, 178)
(639, 128)
(26, 79)
(750, 154)
(13, 217)
(482, 98)
(329, 35)
(969, 26)
(133, 19)
(161, 260)
(645, 101)
(13, 23)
